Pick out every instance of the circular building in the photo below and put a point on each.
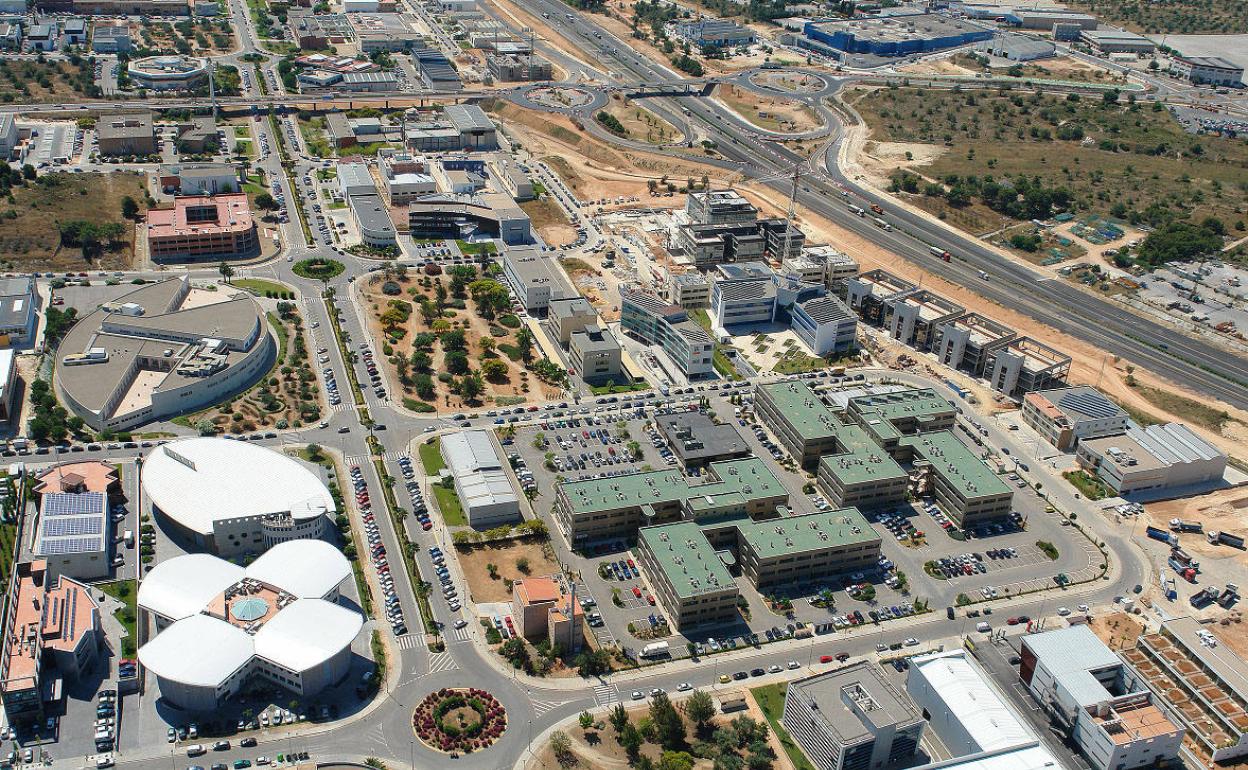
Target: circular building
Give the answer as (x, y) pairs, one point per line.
(220, 624)
(230, 497)
(168, 73)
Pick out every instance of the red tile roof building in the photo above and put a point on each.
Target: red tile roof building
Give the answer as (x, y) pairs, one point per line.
(200, 228)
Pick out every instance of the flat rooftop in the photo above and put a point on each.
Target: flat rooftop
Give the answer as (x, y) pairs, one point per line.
(197, 215)
(1039, 356)
(931, 306)
(856, 701)
(695, 436)
(884, 284)
(687, 559)
(881, 410)
(748, 476)
(983, 330)
(807, 532)
(901, 28)
(957, 464)
(1078, 403)
(804, 410)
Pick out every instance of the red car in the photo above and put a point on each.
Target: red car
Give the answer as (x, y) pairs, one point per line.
(826, 659)
(637, 592)
(650, 599)
(1012, 622)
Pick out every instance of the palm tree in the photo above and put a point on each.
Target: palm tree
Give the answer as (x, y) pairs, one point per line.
(225, 270)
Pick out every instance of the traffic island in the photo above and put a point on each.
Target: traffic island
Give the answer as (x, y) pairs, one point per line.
(459, 720)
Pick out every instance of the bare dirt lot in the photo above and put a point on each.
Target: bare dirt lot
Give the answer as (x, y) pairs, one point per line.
(505, 556)
(639, 123)
(1225, 509)
(773, 113)
(549, 221)
(1117, 630)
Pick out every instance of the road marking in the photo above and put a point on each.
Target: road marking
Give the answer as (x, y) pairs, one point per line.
(606, 694)
(460, 634)
(540, 707)
(441, 661)
(408, 642)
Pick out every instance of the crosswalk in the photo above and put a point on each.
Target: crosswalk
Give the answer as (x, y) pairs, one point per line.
(360, 460)
(441, 661)
(394, 454)
(460, 634)
(409, 642)
(606, 694)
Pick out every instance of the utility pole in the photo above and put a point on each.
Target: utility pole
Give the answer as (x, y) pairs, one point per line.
(788, 230)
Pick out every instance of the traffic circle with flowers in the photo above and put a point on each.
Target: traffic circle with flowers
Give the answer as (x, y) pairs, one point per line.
(459, 720)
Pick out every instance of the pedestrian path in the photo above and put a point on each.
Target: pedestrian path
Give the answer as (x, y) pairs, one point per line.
(409, 642)
(605, 695)
(540, 707)
(460, 634)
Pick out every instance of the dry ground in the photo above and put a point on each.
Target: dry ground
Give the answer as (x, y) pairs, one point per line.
(504, 556)
(773, 113)
(1117, 630)
(641, 124)
(1225, 509)
(549, 221)
(30, 239)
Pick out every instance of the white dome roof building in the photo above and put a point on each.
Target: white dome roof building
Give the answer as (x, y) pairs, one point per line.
(230, 497)
(220, 624)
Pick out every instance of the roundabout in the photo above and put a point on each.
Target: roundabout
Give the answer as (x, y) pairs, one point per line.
(462, 720)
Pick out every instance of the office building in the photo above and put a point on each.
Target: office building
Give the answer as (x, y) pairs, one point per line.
(191, 179)
(536, 278)
(545, 611)
(222, 627)
(110, 37)
(19, 311)
(868, 294)
(199, 135)
(404, 177)
(42, 37)
(202, 228)
(966, 490)
(799, 420)
(231, 498)
(73, 537)
(510, 68)
(1153, 459)
(715, 33)
(825, 324)
(1109, 40)
(372, 221)
(852, 718)
(570, 314)
(1207, 70)
(88, 476)
(9, 136)
(697, 440)
(436, 71)
(368, 82)
(972, 718)
(688, 290)
(595, 356)
(130, 134)
(482, 484)
(168, 73)
(709, 245)
(969, 341)
(616, 507)
(1024, 365)
(803, 268)
(806, 548)
(751, 293)
(1044, 19)
(469, 217)
(51, 633)
(8, 382)
(476, 130)
(1105, 707)
(1203, 684)
(892, 36)
(719, 207)
(384, 32)
(1066, 416)
(688, 578)
(686, 348)
(838, 267)
(152, 354)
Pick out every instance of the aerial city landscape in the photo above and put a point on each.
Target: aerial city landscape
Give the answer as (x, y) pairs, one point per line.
(623, 384)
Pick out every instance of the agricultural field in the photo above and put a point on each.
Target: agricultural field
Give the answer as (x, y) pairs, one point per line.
(33, 223)
(33, 81)
(991, 160)
(287, 397)
(1177, 17)
(450, 340)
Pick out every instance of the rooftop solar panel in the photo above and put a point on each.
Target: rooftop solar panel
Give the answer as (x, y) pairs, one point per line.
(72, 503)
(73, 525)
(69, 545)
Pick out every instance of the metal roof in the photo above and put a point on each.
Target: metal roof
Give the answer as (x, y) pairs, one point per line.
(199, 651)
(181, 587)
(308, 569)
(1070, 654)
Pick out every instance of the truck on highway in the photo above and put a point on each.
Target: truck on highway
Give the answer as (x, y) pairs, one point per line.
(1225, 538)
(940, 253)
(1157, 533)
(983, 276)
(880, 223)
(654, 650)
(876, 208)
(857, 210)
(1186, 525)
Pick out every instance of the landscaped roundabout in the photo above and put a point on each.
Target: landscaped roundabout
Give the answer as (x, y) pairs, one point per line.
(459, 720)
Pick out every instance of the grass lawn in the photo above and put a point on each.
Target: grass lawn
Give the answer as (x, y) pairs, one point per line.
(259, 286)
(448, 504)
(7, 533)
(126, 592)
(431, 458)
(604, 390)
(1185, 408)
(475, 249)
(770, 699)
(1089, 485)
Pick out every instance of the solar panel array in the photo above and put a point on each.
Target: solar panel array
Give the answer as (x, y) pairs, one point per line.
(73, 525)
(72, 504)
(68, 545)
(1092, 404)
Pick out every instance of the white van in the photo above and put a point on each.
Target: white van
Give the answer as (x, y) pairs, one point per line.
(195, 750)
(983, 627)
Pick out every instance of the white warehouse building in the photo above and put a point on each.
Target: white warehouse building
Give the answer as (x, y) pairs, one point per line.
(230, 497)
(220, 624)
(484, 489)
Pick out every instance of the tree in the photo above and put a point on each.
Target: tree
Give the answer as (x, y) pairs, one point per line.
(421, 361)
(266, 202)
(454, 340)
(561, 745)
(494, 370)
(490, 296)
(429, 311)
(618, 717)
(586, 720)
(129, 207)
(676, 760)
(631, 740)
(28, 172)
(457, 362)
(667, 722)
(471, 386)
(593, 662)
(439, 295)
(524, 343)
(522, 564)
(225, 270)
(700, 708)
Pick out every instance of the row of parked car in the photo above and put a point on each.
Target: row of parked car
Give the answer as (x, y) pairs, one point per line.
(419, 509)
(374, 375)
(377, 551)
(449, 592)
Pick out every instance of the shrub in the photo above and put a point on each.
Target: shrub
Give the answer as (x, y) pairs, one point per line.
(391, 289)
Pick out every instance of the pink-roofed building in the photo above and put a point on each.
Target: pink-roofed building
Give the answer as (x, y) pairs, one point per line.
(200, 228)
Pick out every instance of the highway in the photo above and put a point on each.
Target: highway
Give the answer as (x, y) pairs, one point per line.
(1106, 325)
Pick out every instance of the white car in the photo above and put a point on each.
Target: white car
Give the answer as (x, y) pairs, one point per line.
(1063, 611)
(911, 642)
(684, 687)
(637, 695)
(1083, 608)
(794, 664)
(774, 668)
